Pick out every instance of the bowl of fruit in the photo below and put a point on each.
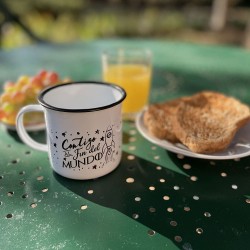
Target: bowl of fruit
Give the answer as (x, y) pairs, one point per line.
(24, 92)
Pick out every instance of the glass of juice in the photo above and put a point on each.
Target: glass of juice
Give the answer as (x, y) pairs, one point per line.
(132, 70)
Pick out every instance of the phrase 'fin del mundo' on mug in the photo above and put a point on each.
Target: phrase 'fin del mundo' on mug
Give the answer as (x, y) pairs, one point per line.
(83, 126)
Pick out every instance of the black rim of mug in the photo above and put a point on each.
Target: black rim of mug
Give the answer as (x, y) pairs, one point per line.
(46, 105)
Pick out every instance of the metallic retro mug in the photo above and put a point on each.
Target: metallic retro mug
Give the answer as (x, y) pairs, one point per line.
(83, 125)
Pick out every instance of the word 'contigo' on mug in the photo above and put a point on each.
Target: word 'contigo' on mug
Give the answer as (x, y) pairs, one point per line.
(83, 125)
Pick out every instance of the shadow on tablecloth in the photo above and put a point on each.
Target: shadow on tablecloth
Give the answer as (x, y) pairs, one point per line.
(206, 208)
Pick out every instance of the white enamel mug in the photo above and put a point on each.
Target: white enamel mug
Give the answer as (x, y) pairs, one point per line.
(83, 126)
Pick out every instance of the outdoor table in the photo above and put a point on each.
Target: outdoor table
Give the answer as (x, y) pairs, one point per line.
(155, 199)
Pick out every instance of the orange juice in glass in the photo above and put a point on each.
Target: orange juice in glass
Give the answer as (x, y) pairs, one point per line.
(131, 69)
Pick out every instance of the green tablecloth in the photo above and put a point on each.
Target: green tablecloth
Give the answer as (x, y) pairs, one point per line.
(175, 202)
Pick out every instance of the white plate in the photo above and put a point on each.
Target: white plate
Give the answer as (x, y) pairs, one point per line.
(30, 128)
(240, 146)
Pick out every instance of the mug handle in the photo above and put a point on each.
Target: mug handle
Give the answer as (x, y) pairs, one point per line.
(22, 131)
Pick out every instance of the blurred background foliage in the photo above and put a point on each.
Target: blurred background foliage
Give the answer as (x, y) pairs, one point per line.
(27, 21)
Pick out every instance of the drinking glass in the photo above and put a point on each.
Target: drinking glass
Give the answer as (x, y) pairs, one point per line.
(131, 69)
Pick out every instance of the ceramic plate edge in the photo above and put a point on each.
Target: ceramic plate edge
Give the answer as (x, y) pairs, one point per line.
(30, 128)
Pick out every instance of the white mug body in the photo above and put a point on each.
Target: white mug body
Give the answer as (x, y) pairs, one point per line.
(84, 145)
